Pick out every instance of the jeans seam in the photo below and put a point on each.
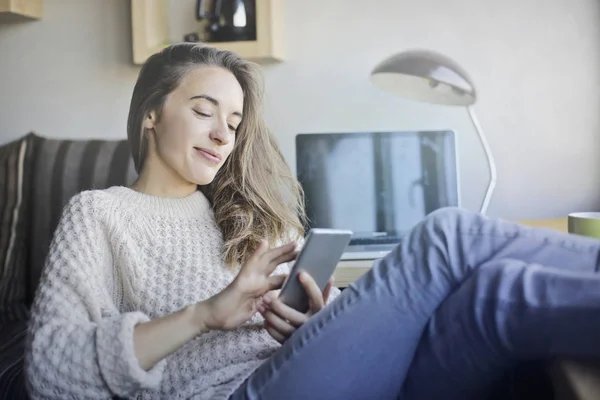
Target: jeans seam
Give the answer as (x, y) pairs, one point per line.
(547, 240)
(310, 336)
(481, 302)
(501, 305)
(454, 322)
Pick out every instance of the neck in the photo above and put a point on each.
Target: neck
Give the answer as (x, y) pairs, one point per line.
(156, 179)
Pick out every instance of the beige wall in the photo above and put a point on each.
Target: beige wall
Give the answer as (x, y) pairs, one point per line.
(536, 64)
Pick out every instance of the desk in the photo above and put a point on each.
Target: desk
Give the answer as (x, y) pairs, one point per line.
(349, 271)
(572, 379)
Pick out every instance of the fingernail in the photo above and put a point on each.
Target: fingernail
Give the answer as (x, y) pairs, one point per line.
(302, 276)
(267, 299)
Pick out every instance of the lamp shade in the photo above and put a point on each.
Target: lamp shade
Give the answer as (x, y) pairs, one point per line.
(426, 76)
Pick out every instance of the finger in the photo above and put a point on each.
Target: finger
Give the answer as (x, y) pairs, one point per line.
(278, 323)
(286, 257)
(275, 334)
(315, 296)
(295, 317)
(276, 282)
(277, 252)
(327, 291)
(263, 247)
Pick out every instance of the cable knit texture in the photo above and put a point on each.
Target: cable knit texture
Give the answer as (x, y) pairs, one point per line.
(119, 258)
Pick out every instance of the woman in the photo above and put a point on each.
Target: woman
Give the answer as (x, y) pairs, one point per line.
(162, 290)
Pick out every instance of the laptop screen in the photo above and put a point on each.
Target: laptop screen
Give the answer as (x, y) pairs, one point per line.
(378, 184)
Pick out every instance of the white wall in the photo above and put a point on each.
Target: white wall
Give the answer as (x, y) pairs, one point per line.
(536, 64)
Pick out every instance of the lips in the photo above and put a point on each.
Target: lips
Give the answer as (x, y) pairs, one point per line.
(209, 154)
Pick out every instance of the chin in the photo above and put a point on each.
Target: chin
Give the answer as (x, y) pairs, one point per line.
(201, 182)
(199, 173)
(202, 179)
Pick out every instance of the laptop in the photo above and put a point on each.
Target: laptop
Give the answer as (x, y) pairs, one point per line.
(377, 184)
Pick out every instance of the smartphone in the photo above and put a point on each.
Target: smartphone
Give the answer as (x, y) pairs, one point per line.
(319, 256)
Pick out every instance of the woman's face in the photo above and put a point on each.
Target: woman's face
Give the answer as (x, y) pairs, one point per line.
(196, 130)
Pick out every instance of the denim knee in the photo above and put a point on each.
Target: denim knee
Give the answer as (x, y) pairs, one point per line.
(445, 214)
(447, 220)
(496, 290)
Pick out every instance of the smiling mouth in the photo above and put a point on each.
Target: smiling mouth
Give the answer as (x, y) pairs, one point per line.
(209, 155)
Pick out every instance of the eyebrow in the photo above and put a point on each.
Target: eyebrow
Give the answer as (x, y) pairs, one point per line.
(214, 101)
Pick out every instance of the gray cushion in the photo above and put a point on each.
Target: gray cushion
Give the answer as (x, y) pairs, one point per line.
(16, 160)
(12, 342)
(64, 168)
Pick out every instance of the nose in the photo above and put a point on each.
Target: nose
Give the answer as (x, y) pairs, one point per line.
(220, 134)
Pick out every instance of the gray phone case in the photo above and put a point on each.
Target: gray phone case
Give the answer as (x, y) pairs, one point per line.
(319, 256)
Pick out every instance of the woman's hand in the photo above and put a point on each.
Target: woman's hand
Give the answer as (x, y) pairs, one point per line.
(281, 321)
(239, 301)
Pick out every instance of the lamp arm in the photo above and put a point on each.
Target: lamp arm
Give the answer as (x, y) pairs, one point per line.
(490, 158)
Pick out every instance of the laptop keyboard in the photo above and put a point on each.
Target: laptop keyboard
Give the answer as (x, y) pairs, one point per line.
(374, 240)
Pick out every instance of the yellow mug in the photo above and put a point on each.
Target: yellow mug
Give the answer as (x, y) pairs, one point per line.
(585, 224)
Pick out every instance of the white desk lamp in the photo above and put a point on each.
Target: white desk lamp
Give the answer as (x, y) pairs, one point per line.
(434, 78)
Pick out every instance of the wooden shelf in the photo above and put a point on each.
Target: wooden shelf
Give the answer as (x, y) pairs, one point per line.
(149, 28)
(150, 31)
(20, 10)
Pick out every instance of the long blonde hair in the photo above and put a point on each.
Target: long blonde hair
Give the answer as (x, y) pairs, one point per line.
(254, 195)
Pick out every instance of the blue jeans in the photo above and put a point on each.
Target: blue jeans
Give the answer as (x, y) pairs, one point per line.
(459, 302)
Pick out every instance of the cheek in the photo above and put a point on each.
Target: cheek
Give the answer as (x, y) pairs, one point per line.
(171, 145)
(229, 150)
(175, 136)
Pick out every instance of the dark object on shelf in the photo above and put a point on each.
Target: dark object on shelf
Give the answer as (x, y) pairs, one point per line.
(191, 37)
(229, 20)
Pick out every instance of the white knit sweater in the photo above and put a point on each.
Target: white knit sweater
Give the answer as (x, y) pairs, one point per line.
(119, 258)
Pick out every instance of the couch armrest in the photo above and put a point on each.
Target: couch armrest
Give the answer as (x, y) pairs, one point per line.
(575, 379)
(12, 347)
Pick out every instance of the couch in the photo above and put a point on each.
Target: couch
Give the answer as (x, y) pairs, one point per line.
(37, 177)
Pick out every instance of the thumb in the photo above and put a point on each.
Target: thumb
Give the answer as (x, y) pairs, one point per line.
(327, 291)
(315, 296)
(276, 281)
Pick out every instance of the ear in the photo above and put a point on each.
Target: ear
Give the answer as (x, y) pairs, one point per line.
(150, 120)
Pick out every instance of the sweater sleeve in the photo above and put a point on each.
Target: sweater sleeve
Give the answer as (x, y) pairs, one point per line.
(333, 294)
(74, 350)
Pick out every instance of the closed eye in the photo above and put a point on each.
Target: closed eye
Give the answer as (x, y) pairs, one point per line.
(232, 128)
(202, 114)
